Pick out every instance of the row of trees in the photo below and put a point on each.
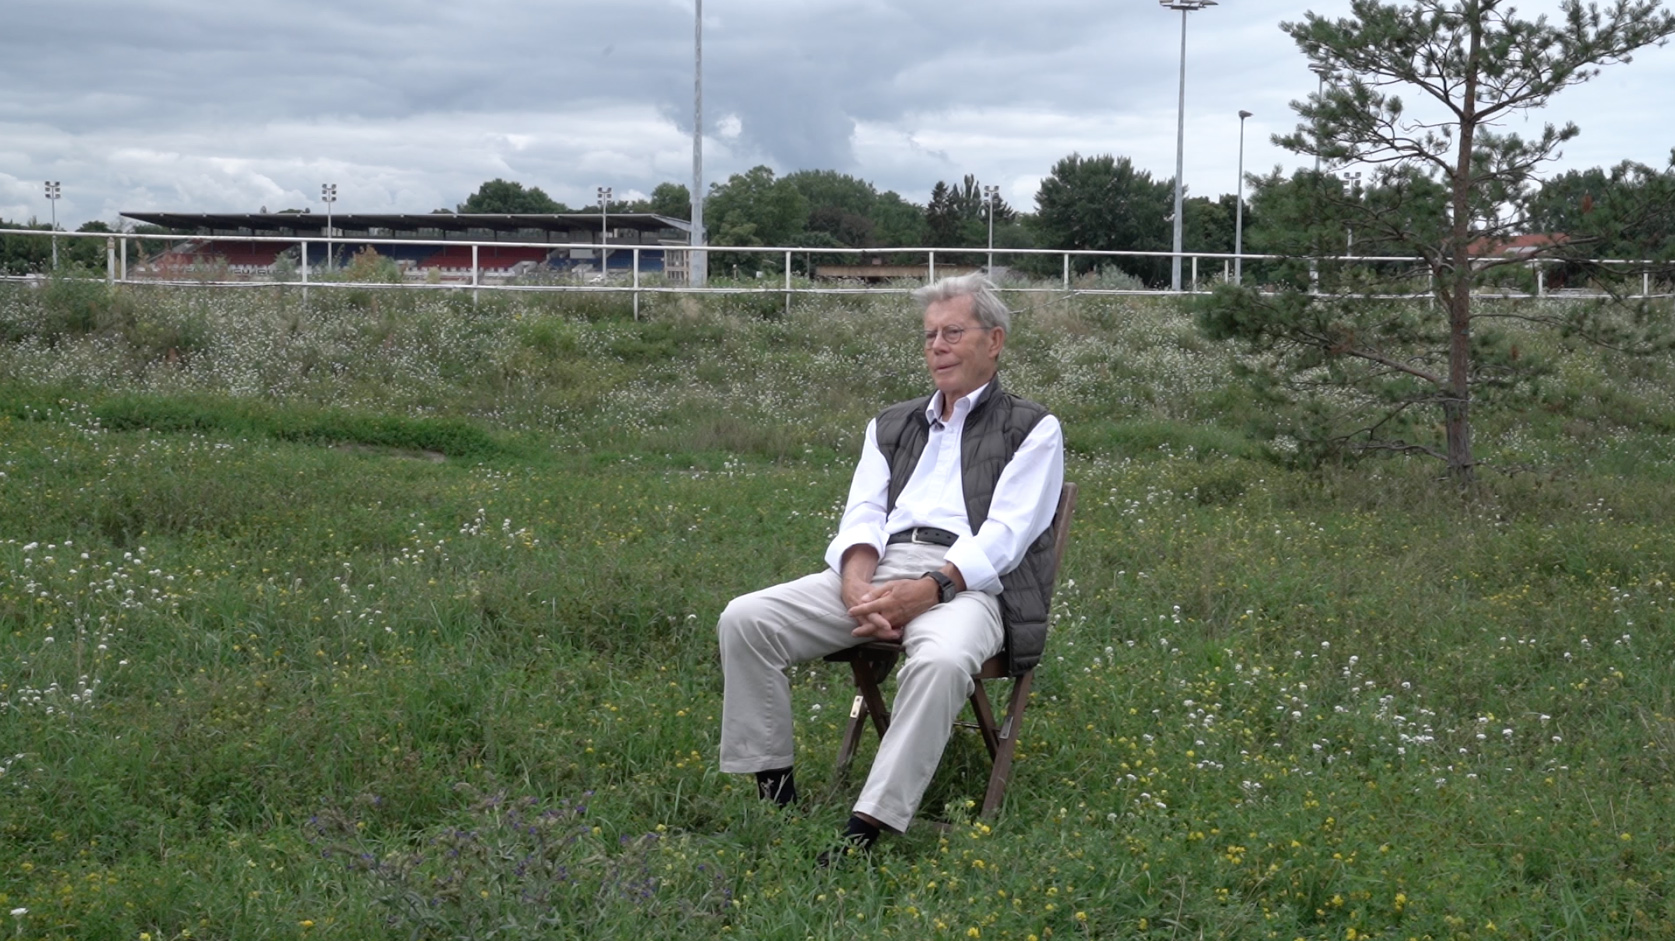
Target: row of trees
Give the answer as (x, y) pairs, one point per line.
(1105, 203)
(1100, 203)
(23, 254)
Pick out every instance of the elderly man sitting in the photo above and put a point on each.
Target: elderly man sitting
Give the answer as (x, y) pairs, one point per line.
(944, 546)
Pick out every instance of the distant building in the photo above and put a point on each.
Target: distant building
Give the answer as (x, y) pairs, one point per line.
(1517, 246)
(547, 242)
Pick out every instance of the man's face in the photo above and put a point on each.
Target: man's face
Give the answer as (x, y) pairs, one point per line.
(959, 367)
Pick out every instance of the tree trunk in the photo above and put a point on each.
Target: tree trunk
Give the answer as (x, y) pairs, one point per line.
(1456, 408)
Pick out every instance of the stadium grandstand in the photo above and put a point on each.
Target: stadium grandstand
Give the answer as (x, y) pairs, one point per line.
(418, 243)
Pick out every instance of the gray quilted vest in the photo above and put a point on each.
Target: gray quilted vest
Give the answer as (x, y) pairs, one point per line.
(994, 429)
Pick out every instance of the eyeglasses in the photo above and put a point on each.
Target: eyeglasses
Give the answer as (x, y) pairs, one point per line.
(950, 335)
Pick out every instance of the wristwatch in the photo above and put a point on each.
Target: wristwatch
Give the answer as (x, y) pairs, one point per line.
(945, 590)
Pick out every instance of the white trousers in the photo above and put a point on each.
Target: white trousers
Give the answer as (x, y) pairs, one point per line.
(765, 631)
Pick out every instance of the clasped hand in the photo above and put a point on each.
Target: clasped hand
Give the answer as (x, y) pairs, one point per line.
(881, 611)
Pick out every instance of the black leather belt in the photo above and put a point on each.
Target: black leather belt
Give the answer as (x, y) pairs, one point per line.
(924, 536)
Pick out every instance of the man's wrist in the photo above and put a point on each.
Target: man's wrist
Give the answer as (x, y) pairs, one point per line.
(946, 588)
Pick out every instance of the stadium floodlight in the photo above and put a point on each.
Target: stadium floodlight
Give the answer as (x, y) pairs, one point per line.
(989, 194)
(1239, 209)
(53, 192)
(697, 266)
(328, 195)
(1320, 71)
(1353, 179)
(1185, 6)
(604, 228)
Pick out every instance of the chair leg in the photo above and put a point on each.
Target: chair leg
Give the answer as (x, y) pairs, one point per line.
(985, 717)
(866, 683)
(851, 737)
(1008, 735)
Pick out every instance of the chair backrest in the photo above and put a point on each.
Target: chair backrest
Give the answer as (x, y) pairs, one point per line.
(1061, 525)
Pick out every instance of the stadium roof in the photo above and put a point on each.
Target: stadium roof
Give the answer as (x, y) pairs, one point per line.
(560, 226)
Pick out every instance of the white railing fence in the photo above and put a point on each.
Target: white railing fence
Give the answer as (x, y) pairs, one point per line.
(313, 269)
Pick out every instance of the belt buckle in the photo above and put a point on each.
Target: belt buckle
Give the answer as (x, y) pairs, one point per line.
(913, 537)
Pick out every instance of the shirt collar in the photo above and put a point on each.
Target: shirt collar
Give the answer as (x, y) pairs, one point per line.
(962, 408)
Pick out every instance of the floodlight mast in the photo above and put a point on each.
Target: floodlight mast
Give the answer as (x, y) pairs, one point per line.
(1185, 6)
(1320, 71)
(54, 190)
(604, 228)
(328, 195)
(1239, 209)
(989, 194)
(697, 265)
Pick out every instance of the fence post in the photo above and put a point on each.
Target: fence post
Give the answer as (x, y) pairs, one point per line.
(1645, 284)
(1195, 274)
(304, 246)
(110, 259)
(1540, 280)
(473, 273)
(1067, 272)
(122, 273)
(787, 283)
(930, 271)
(636, 282)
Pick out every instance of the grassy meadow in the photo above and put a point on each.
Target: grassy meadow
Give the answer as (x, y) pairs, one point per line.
(392, 615)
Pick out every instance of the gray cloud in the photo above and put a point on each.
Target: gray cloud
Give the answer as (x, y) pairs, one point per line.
(409, 104)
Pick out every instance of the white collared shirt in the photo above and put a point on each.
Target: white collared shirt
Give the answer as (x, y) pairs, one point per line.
(1024, 500)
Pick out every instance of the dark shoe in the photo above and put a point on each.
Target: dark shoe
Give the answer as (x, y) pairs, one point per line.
(858, 839)
(779, 786)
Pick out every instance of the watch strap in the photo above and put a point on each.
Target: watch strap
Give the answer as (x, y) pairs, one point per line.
(945, 591)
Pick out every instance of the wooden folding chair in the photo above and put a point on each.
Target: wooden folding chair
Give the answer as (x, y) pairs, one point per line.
(871, 662)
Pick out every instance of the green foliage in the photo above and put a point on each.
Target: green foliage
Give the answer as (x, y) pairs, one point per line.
(1103, 203)
(367, 266)
(295, 689)
(957, 214)
(896, 221)
(499, 195)
(25, 254)
(673, 200)
(845, 211)
(1207, 225)
(1626, 213)
(753, 208)
(443, 436)
(1444, 185)
(662, 340)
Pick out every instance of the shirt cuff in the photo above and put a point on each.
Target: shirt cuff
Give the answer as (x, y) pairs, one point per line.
(853, 536)
(974, 566)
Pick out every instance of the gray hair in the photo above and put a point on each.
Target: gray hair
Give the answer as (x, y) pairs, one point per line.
(986, 305)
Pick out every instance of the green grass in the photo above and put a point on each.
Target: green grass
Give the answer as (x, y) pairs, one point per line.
(394, 617)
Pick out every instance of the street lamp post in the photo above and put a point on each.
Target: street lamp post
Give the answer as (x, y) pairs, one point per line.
(1239, 209)
(53, 192)
(604, 229)
(328, 195)
(1353, 178)
(697, 264)
(1185, 6)
(1320, 72)
(989, 194)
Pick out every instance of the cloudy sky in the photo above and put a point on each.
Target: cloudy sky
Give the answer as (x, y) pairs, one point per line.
(408, 105)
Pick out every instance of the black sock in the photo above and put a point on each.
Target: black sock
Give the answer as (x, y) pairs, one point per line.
(860, 833)
(778, 786)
